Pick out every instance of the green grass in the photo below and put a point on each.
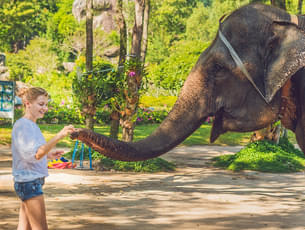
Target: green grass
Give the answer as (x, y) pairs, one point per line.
(5, 134)
(264, 156)
(105, 163)
(153, 165)
(261, 157)
(199, 137)
(202, 137)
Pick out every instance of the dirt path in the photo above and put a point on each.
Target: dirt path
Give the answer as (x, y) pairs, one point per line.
(196, 196)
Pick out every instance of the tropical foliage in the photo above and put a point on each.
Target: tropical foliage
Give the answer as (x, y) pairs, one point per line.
(38, 37)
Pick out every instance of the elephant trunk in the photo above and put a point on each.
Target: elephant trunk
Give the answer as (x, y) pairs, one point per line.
(187, 115)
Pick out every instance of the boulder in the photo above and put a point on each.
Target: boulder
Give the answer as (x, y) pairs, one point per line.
(112, 51)
(104, 11)
(68, 66)
(4, 73)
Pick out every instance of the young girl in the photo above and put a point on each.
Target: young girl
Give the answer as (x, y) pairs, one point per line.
(30, 152)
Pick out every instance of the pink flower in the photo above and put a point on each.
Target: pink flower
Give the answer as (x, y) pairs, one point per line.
(132, 74)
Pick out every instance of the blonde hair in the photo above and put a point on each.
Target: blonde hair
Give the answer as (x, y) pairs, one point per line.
(31, 94)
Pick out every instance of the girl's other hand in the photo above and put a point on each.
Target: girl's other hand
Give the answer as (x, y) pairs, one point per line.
(55, 154)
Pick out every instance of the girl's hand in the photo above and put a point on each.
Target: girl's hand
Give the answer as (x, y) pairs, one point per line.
(66, 131)
(55, 154)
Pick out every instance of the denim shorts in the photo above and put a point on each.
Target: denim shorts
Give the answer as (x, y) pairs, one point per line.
(30, 189)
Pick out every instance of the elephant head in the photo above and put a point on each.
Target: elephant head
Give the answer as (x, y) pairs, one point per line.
(238, 79)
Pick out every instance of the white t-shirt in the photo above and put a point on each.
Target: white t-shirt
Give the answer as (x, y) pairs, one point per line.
(26, 139)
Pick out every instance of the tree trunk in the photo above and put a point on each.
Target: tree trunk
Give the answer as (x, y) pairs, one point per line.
(115, 116)
(300, 4)
(137, 29)
(123, 37)
(253, 1)
(134, 78)
(145, 31)
(89, 121)
(89, 35)
(114, 124)
(90, 111)
(279, 3)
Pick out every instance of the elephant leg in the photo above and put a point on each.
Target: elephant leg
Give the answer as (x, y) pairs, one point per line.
(300, 134)
(299, 86)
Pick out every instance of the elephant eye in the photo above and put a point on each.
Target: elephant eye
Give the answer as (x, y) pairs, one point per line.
(217, 67)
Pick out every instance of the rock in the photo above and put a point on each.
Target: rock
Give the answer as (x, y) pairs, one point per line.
(104, 13)
(4, 73)
(69, 66)
(5, 76)
(112, 52)
(3, 69)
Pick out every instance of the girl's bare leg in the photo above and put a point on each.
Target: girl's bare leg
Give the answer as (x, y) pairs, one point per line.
(23, 223)
(36, 213)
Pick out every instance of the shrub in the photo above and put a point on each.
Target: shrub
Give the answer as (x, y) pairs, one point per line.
(172, 72)
(152, 165)
(264, 156)
(64, 113)
(38, 58)
(154, 109)
(102, 116)
(69, 114)
(150, 116)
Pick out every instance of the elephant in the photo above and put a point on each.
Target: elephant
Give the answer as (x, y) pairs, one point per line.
(250, 76)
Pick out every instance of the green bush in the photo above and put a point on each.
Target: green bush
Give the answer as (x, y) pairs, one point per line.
(172, 72)
(71, 115)
(62, 115)
(67, 114)
(154, 109)
(150, 116)
(37, 59)
(102, 116)
(152, 165)
(264, 156)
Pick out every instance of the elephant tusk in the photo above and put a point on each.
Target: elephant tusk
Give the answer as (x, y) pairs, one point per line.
(294, 19)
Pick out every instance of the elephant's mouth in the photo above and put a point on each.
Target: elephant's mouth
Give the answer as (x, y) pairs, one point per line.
(217, 128)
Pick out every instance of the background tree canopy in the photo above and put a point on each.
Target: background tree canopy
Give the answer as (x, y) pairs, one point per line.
(39, 36)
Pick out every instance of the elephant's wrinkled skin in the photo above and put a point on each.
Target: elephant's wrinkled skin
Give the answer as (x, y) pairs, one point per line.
(271, 47)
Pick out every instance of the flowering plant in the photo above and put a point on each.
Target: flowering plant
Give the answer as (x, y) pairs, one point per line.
(132, 74)
(150, 116)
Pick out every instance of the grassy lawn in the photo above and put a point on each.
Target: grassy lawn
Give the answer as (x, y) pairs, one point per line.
(264, 156)
(199, 137)
(252, 157)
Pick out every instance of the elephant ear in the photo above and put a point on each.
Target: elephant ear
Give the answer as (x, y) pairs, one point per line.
(286, 55)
